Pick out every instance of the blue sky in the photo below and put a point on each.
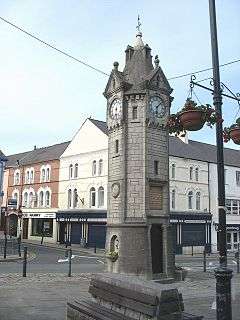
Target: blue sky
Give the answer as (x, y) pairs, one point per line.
(45, 96)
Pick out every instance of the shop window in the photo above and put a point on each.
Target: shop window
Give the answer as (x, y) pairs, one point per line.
(100, 167)
(198, 201)
(190, 200)
(42, 227)
(92, 197)
(101, 197)
(94, 167)
(76, 170)
(75, 198)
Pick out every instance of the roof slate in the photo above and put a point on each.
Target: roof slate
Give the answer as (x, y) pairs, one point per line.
(202, 151)
(177, 148)
(100, 124)
(2, 156)
(38, 155)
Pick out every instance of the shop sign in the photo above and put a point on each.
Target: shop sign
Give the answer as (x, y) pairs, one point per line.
(12, 203)
(40, 215)
(233, 228)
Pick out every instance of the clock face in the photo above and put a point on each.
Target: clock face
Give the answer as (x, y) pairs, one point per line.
(116, 109)
(157, 107)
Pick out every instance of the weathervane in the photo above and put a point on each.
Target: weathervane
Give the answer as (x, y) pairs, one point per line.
(139, 24)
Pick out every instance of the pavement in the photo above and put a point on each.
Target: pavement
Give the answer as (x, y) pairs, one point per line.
(44, 296)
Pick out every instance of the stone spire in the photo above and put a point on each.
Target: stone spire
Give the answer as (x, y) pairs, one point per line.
(138, 61)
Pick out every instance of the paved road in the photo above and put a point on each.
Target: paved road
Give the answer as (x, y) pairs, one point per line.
(51, 260)
(195, 263)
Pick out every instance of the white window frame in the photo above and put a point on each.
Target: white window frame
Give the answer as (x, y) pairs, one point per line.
(101, 197)
(91, 192)
(196, 171)
(76, 170)
(190, 199)
(16, 181)
(198, 200)
(100, 167)
(94, 168)
(191, 173)
(173, 199)
(173, 171)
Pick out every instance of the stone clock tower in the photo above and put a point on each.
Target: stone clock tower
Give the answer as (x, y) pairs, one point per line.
(138, 104)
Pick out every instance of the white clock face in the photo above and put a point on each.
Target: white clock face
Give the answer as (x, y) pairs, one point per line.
(157, 107)
(116, 109)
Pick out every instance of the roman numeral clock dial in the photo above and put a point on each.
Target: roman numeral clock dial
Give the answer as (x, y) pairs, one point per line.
(116, 109)
(156, 107)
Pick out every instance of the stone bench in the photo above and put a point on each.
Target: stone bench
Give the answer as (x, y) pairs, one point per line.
(127, 298)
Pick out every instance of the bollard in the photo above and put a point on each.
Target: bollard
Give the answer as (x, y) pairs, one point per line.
(24, 261)
(5, 246)
(192, 251)
(69, 262)
(95, 248)
(204, 260)
(19, 247)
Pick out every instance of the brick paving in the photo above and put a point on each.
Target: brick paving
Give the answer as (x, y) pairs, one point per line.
(44, 296)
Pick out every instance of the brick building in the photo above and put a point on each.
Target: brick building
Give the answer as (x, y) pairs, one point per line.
(32, 181)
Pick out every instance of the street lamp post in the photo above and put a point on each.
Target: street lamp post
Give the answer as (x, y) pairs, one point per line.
(223, 274)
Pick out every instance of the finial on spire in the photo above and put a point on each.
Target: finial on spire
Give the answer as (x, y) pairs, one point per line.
(139, 42)
(139, 25)
(115, 64)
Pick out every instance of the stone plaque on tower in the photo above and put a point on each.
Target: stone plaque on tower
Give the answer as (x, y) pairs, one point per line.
(138, 104)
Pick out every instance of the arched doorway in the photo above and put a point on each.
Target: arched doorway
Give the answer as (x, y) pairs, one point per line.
(13, 224)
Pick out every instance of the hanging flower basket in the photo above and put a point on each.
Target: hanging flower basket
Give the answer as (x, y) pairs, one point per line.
(233, 132)
(192, 118)
(112, 255)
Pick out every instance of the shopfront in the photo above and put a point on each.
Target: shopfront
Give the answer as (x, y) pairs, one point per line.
(86, 227)
(191, 232)
(39, 224)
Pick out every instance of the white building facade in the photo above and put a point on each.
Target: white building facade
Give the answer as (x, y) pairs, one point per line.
(232, 195)
(83, 186)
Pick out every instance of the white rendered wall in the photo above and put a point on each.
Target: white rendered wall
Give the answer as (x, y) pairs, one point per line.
(232, 191)
(182, 184)
(89, 144)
